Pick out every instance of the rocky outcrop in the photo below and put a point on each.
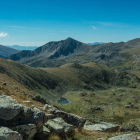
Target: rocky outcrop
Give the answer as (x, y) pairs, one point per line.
(124, 137)
(75, 120)
(8, 134)
(105, 127)
(27, 131)
(9, 108)
(59, 126)
(20, 118)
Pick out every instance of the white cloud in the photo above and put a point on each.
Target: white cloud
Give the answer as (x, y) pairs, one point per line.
(94, 27)
(3, 34)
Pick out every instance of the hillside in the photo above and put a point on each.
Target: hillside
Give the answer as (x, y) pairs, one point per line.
(51, 82)
(55, 54)
(6, 51)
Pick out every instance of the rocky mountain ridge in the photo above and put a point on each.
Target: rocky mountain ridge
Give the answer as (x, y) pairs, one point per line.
(58, 53)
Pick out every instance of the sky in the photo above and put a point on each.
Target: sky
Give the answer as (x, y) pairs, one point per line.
(36, 22)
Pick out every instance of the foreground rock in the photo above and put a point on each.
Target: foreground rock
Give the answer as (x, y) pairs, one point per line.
(8, 134)
(27, 131)
(9, 108)
(75, 120)
(106, 127)
(72, 119)
(124, 137)
(59, 126)
(26, 121)
(13, 114)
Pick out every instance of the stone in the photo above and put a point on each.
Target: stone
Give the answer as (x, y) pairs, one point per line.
(124, 137)
(48, 117)
(8, 134)
(75, 120)
(43, 135)
(4, 84)
(46, 130)
(9, 108)
(13, 114)
(138, 137)
(106, 127)
(39, 99)
(50, 108)
(59, 113)
(68, 128)
(27, 131)
(54, 127)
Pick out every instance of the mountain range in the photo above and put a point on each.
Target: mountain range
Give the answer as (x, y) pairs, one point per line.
(6, 51)
(54, 54)
(18, 47)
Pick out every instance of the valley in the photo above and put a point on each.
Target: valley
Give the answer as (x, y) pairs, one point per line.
(100, 83)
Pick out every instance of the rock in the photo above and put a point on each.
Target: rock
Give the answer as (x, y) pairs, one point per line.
(4, 84)
(68, 128)
(9, 108)
(138, 138)
(46, 130)
(49, 116)
(75, 120)
(39, 99)
(42, 135)
(36, 117)
(27, 131)
(124, 137)
(127, 106)
(8, 134)
(13, 114)
(59, 113)
(83, 94)
(106, 127)
(54, 127)
(50, 108)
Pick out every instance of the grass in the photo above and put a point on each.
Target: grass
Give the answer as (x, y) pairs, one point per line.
(112, 103)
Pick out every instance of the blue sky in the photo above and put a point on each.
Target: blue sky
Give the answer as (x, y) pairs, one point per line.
(36, 22)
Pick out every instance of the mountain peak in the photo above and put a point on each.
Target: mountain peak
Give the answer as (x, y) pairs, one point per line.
(69, 39)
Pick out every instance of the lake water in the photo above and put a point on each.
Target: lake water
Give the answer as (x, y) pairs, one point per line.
(63, 100)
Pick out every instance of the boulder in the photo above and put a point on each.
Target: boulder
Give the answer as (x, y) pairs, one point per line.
(75, 120)
(59, 113)
(9, 108)
(50, 108)
(68, 128)
(48, 117)
(8, 134)
(27, 131)
(42, 135)
(124, 137)
(106, 127)
(13, 114)
(54, 127)
(46, 130)
(39, 99)
(33, 116)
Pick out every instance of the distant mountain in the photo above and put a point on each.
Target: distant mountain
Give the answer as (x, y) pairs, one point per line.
(6, 51)
(96, 43)
(54, 54)
(17, 47)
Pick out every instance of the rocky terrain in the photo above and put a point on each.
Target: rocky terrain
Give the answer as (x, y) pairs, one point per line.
(100, 82)
(54, 54)
(18, 122)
